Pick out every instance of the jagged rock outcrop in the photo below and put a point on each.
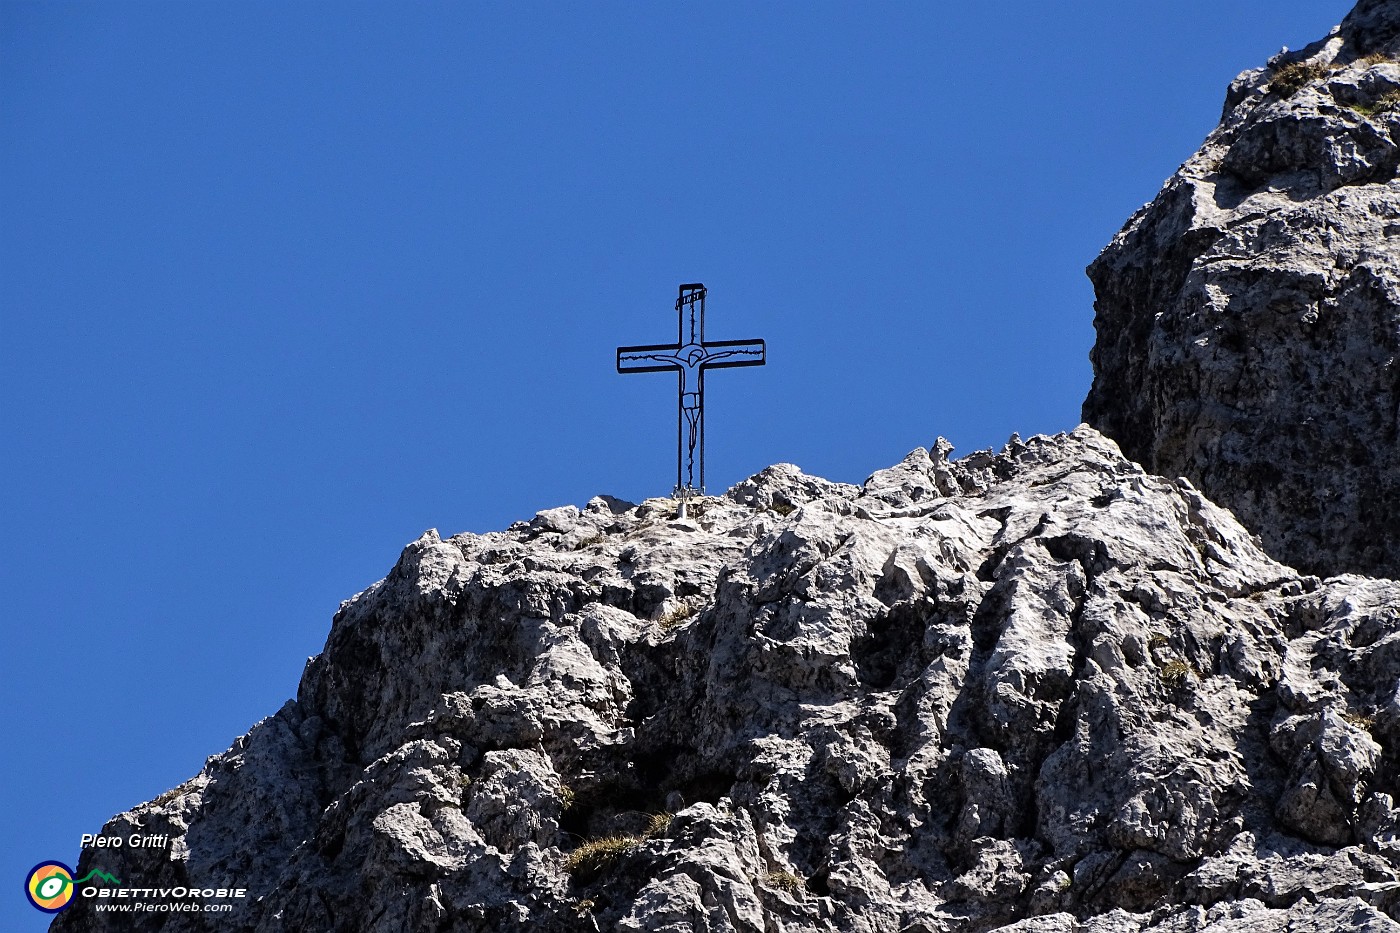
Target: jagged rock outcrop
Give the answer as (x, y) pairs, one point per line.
(1038, 690)
(1249, 318)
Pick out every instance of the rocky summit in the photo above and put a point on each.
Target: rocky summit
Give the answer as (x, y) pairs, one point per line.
(1249, 318)
(1032, 690)
(1037, 690)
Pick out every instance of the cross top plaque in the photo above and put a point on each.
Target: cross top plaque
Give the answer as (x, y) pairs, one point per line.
(689, 357)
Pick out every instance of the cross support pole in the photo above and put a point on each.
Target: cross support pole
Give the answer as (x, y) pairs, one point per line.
(690, 357)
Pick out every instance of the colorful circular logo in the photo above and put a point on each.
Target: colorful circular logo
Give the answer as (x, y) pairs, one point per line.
(49, 886)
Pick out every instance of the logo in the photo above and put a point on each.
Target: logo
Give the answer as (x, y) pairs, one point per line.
(50, 885)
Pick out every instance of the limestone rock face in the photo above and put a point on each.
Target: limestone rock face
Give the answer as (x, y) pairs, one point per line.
(1248, 319)
(1033, 690)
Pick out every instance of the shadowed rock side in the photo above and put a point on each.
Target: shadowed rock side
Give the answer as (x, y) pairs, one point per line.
(1249, 318)
(1038, 690)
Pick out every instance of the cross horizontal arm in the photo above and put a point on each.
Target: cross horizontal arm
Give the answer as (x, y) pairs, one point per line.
(722, 354)
(647, 359)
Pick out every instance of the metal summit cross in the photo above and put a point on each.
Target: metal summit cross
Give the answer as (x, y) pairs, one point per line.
(689, 357)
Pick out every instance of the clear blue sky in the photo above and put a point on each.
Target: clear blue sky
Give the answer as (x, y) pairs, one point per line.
(284, 284)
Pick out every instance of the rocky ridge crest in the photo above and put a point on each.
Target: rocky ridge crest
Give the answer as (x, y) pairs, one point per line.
(1034, 690)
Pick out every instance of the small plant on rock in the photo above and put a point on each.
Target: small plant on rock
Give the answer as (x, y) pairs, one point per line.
(784, 881)
(173, 794)
(657, 825)
(783, 507)
(1389, 102)
(597, 854)
(1292, 77)
(1359, 720)
(566, 796)
(677, 615)
(1175, 673)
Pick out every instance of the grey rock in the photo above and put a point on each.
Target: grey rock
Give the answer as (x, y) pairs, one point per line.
(1036, 689)
(1248, 319)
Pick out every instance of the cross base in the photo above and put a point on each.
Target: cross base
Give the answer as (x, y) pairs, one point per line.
(684, 494)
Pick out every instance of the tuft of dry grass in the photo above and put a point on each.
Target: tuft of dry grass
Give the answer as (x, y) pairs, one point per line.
(597, 854)
(658, 824)
(1289, 79)
(173, 794)
(677, 615)
(1175, 673)
(1359, 720)
(782, 507)
(785, 881)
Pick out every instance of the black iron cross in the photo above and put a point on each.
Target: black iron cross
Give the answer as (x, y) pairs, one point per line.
(689, 357)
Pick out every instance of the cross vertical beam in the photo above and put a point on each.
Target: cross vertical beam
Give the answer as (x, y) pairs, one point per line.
(690, 356)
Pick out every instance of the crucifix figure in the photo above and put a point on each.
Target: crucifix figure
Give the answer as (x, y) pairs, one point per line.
(689, 357)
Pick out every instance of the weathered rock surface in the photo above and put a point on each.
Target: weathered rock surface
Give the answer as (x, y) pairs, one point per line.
(1249, 318)
(1039, 690)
